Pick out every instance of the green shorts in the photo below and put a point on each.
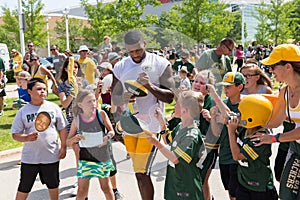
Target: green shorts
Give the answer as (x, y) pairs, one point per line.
(89, 169)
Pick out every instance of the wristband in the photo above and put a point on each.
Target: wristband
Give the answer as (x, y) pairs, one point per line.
(274, 138)
(277, 137)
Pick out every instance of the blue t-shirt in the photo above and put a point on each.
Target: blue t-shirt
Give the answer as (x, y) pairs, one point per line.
(23, 94)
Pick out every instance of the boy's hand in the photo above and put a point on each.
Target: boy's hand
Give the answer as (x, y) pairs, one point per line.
(33, 136)
(233, 124)
(62, 152)
(206, 114)
(152, 139)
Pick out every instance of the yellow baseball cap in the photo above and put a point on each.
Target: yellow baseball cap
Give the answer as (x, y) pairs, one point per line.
(283, 52)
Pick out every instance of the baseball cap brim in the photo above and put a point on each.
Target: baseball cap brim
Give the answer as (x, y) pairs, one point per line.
(136, 88)
(224, 83)
(270, 61)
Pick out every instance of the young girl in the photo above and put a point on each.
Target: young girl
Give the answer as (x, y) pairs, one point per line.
(94, 157)
(257, 82)
(66, 93)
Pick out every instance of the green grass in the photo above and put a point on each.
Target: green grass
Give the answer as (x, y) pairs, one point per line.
(6, 141)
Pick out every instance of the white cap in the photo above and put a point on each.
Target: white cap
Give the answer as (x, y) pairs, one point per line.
(106, 65)
(83, 48)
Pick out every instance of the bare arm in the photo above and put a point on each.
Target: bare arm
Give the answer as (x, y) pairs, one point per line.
(45, 71)
(72, 136)
(21, 137)
(63, 146)
(164, 92)
(65, 100)
(286, 137)
(170, 155)
(215, 125)
(278, 114)
(235, 149)
(107, 124)
(223, 108)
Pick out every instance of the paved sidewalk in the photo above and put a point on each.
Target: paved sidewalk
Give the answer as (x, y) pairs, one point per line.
(127, 185)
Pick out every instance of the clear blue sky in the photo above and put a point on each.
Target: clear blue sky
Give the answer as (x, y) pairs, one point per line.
(49, 4)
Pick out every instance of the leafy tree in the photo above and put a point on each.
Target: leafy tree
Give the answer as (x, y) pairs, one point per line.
(275, 21)
(116, 17)
(236, 31)
(10, 41)
(11, 23)
(295, 19)
(75, 32)
(279, 21)
(201, 20)
(263, 28)
(35, 22)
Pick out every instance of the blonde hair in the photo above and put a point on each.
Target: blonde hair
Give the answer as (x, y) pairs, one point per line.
(193, 101)
(263, 78)
(80, 97)
(204, 74)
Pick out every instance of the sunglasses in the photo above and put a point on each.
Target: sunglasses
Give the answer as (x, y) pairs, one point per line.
(276, 64)
(34, 59)
(230, 50)
(249, 75)
(30, 45)
(52, 49)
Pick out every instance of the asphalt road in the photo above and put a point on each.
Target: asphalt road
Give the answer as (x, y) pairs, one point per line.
(9, 173)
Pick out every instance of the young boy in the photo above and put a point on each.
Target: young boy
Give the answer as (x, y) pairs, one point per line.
(183, 180)
(41, 152)
(185, 83)
(24, 97)
(233, 83)
(255, 113)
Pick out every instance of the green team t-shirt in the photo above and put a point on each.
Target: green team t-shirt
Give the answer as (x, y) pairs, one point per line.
(225, 156)
(179, 64)
(218, 65)
(254, 172)
(183, 180)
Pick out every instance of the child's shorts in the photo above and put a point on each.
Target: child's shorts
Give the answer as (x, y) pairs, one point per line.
(49, 175)
(90, 169)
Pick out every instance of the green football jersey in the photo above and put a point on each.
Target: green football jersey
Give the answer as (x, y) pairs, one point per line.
(183, 180)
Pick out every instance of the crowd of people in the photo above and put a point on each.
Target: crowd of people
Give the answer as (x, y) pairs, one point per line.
(133, 88)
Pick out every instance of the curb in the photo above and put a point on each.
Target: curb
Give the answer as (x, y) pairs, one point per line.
(10, 157)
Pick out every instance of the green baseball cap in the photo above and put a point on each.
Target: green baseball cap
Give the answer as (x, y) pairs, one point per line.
(231, 78)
